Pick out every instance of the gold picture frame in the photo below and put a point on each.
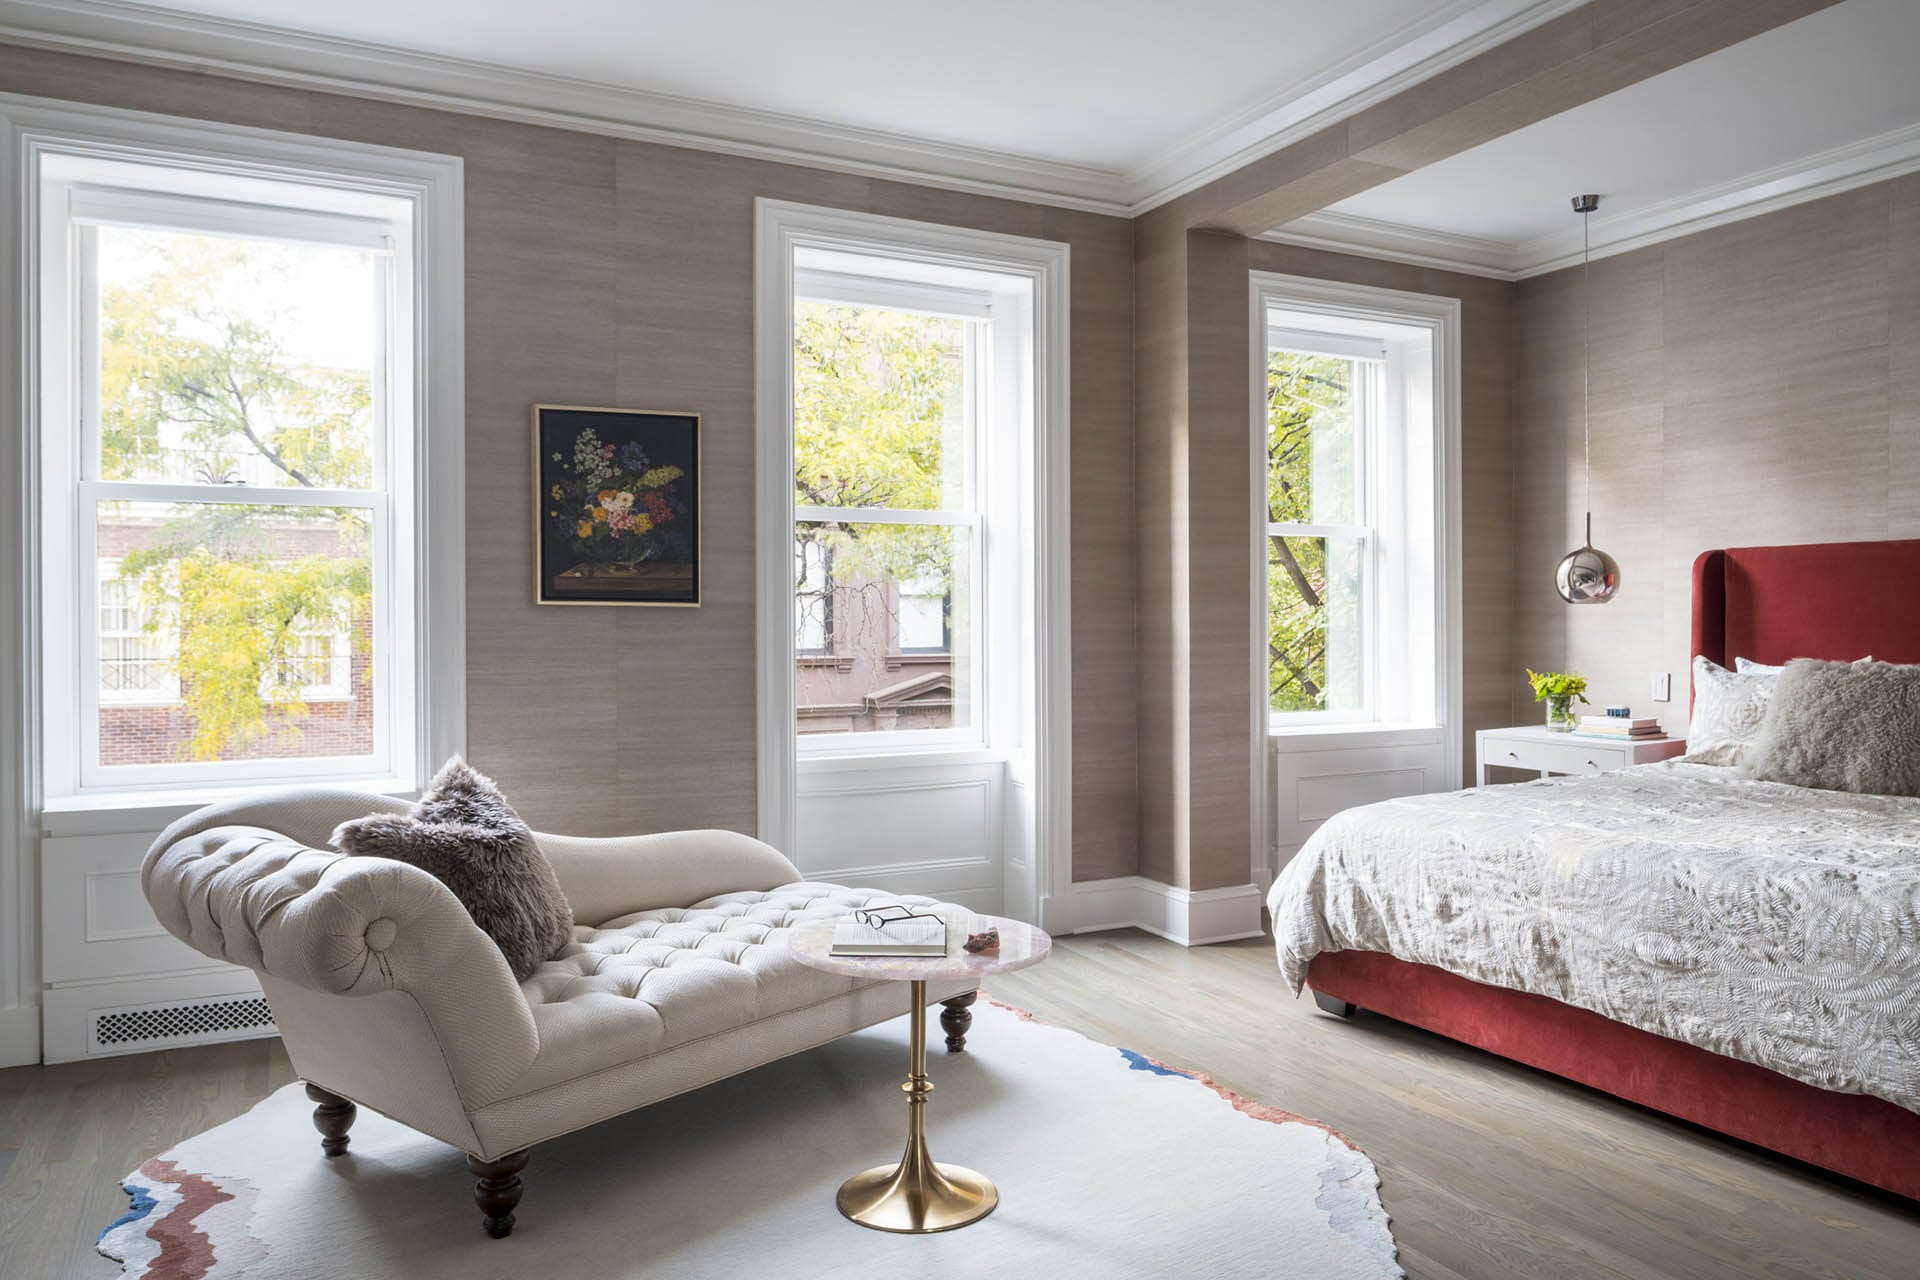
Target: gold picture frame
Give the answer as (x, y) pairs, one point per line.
(617, 510)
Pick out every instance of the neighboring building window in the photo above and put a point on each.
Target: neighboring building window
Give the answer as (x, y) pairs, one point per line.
(136, 652)
(1321, 415)
(889, 384)
(229, 438)
(812, 600)
(923, 617)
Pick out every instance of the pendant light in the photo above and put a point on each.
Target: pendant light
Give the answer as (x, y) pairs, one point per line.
(1587, 575)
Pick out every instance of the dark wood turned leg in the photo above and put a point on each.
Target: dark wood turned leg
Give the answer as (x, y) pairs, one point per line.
(333, 1117)
(1334, 1005)
(498, 1190)
(955, 1018)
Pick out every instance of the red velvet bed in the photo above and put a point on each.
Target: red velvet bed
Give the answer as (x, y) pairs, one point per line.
(1770, 604)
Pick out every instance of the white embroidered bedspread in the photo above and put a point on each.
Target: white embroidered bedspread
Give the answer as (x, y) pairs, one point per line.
(1768, 923)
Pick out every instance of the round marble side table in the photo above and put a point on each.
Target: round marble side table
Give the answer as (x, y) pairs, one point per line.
(918, 1195)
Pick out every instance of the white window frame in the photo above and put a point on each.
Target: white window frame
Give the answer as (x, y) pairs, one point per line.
(987, 346)
(1035, 657)
(219, 170)
(73, 210)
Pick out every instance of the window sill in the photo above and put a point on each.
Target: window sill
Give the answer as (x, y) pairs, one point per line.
(1334, 736)
(858, 759)
(129, 812)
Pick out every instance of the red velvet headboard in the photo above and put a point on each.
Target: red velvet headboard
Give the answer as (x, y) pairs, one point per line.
(1841, 600)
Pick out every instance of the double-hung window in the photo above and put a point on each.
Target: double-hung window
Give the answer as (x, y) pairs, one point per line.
(228, 477)
(1323, 398)
(1354, 546)
(890, 384)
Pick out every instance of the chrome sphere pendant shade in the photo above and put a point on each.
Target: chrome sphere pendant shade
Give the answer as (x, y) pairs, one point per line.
(1587, 575)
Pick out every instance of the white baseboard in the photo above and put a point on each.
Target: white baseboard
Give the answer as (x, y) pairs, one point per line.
(1190, 917)
(20, 1036)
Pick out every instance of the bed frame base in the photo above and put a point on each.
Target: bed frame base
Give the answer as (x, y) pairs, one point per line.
(1334, 1005)
(1864, 1138)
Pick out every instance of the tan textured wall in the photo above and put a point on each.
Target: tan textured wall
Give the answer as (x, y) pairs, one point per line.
(1160, 443)
(1754, 384)
(603, 271)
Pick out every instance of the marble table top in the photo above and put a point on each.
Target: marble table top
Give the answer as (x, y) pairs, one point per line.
(1020, 946)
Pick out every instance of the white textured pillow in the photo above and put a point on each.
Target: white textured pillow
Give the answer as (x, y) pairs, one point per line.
(1728, 709)
(1748, 667)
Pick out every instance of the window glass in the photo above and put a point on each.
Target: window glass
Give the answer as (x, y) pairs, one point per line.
(1312, 438)
(869, 690)
(884, 411)
(247, 616)
(1318, 418)
(879, 408)
(235, 361)
(1316, 642)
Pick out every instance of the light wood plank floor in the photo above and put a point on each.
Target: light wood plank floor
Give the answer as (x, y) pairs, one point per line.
(1490, 1170)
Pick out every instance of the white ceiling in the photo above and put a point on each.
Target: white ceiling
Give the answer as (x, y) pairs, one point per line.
(1104, 83)
(1836, 91)
(1106, 102)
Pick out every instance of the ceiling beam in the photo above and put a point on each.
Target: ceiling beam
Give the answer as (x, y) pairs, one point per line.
(1583, 55)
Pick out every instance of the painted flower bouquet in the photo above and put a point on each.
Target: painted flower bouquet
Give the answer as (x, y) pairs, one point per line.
(613, 505)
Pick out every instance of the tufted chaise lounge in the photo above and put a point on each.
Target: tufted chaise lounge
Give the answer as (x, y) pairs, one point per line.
(388, 995)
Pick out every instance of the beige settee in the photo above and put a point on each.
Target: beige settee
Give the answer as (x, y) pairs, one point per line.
(388, 995)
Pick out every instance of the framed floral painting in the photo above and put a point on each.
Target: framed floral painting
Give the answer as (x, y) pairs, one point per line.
(616, 506)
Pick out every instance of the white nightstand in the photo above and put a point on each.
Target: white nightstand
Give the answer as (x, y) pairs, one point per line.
(1536, 747)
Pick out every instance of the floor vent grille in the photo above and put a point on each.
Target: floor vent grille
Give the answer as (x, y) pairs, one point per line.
(180, 1022)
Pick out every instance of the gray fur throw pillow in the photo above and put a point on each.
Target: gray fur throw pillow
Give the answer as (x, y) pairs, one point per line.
(465, 834)
(1842, 726)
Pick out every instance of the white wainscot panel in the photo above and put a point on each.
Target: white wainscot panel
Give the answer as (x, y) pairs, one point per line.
(1308, 787)
(95, 921)
(933, 830)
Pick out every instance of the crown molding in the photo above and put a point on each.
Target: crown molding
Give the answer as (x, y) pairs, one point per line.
(133, 32)
(1462, 31)
(1826, 173)
(1399, 242)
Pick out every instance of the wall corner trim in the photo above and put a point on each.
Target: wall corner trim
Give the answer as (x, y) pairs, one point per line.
(20, 1036)
(1190, 917)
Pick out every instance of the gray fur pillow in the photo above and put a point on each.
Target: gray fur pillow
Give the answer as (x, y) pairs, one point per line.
(1842, 726)
(463, 832)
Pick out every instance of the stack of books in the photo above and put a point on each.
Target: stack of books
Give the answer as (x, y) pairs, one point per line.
(1626, 728)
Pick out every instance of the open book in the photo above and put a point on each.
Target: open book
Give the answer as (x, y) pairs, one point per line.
(913, 936)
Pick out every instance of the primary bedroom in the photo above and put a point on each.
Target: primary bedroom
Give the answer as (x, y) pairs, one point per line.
(1113, 640)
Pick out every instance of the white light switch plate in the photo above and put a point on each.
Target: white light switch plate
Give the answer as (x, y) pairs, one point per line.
(1662, 686)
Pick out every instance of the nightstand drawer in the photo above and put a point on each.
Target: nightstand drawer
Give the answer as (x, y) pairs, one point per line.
(1557, 757)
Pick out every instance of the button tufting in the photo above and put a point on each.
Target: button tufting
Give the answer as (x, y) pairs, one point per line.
(381, 933)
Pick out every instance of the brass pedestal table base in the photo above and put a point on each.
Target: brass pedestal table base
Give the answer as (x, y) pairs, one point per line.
(917, 1195)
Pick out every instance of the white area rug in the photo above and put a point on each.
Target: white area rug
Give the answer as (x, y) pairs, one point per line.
(1108, 1165)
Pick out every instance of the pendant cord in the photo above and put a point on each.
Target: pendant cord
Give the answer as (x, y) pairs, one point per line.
(1586, 359)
